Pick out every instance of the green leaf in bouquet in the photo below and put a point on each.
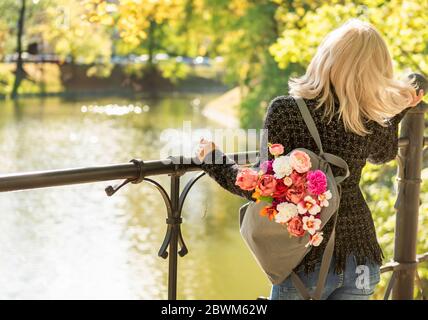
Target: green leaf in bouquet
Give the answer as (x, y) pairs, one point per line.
(266, 199)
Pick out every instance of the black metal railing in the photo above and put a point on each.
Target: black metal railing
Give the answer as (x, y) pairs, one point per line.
(135, 171)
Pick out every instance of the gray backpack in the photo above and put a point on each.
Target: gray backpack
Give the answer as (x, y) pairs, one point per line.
(276, 252)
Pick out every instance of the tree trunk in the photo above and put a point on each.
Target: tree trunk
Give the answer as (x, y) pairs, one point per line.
(151, 40)
(19, 72)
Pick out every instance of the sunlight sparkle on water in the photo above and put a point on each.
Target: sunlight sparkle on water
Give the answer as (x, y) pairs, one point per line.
(114, 109)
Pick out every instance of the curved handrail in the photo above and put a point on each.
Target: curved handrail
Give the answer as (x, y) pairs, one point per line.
(62, 177)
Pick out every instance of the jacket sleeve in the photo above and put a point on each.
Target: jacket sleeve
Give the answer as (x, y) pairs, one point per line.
(224, 170)
(384, 143)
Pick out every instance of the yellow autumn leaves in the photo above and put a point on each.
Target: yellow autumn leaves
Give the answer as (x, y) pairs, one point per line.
(402, 22)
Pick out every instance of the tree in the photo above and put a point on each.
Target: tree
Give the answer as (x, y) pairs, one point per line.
(143, 26)
(19, 71)
(243, 31)
(401, 22)
(73, 37)
(18, 16)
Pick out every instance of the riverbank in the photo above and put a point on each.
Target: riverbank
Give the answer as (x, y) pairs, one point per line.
(50, 79)
(225, 109)
(72, 82)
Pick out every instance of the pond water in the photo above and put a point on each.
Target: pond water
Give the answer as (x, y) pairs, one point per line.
(74, 242)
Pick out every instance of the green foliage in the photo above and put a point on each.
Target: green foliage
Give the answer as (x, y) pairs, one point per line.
(377, 185)
(8, 21)
(266, 199)
(39, 81)
(6, 81)
(245, 31)
(60, 28)
(401, 22)
(379, 188)
(74, 37)
(174, 71)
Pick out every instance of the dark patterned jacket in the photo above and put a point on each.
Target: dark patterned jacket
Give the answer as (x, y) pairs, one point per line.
(355, 231)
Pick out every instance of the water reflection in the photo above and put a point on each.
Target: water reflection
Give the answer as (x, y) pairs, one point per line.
(115, 109)
(74, 242)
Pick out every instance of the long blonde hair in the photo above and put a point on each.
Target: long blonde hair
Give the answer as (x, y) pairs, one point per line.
(353, 63)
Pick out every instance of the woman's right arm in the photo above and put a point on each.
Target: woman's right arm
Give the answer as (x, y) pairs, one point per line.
(384, 143)
(224, 169)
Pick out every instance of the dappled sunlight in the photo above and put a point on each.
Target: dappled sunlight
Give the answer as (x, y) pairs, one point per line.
(114, 109)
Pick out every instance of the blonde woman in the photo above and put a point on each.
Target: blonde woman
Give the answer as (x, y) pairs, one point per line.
(357, 105)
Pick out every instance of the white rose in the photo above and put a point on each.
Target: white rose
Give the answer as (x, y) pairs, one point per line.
(281, 166)
(286, 211)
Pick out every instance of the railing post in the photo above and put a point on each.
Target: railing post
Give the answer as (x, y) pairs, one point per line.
(409, 179)
(173, 245)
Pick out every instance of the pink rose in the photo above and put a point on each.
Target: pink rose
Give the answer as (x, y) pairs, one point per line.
(295, 227)
(317, 182)
(300, 161)
(267, 185)
(247, 179)
(276, 149)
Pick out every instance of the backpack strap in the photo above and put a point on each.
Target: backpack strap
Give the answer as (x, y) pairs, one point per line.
(330, 158)
(310, 123)
(326, 261)
(323, 272)
(324, 268)
(338, 162)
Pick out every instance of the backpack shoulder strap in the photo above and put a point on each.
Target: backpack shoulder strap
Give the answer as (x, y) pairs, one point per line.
(309, 121)
(324, 267)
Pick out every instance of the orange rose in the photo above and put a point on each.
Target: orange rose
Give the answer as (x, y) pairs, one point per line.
(295, 194)
(267, 185)
(247, 179)
(295, 227)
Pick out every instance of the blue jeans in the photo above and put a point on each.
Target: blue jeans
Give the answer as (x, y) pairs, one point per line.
(357, 282)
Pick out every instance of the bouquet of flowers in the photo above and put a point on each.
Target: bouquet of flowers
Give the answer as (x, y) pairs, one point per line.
(295, 193)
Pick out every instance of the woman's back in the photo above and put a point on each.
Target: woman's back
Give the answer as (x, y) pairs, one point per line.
(355, 228)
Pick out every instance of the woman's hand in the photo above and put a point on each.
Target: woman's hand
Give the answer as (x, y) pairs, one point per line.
(205, 147)
(416, 98)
